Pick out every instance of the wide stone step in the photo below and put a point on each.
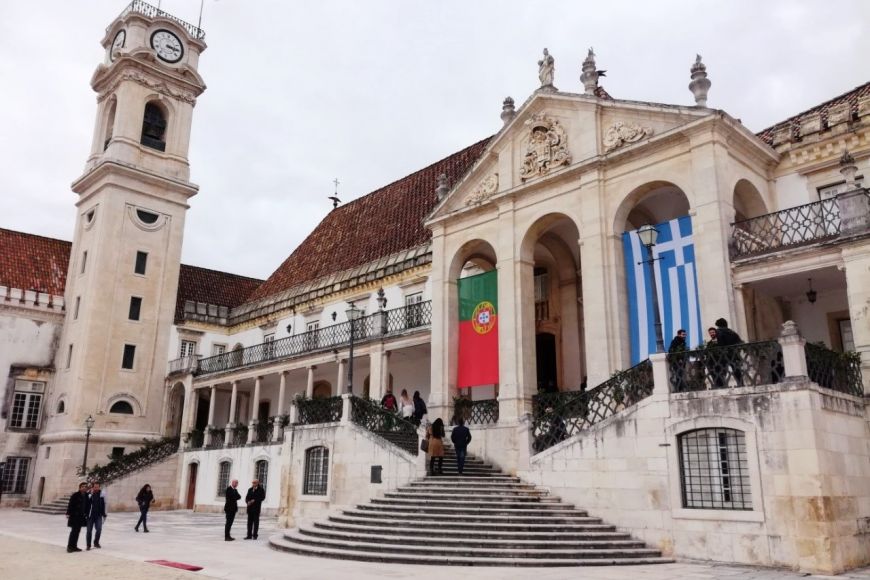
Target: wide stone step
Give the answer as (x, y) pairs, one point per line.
(46, 509)
(471, 534)
(474, 517)
(468, 504)
(548, 525)
(540, 510)
(455, 479)
(291, 545)
(542, 543)
(472, 497)
(474, 491)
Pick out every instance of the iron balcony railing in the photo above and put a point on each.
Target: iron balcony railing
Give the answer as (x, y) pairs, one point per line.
(484, 412)
(384, 423)
(377, 325)
(150, 11)
(840, 371)
(314, 411)
(788, 228)
(749, 364)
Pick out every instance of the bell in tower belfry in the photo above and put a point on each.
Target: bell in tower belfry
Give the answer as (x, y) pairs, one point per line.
(125, 257)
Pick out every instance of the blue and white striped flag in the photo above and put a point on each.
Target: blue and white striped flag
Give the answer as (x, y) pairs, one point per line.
(676, 284)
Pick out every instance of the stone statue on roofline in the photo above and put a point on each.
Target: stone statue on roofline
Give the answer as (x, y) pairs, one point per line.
(546, 70)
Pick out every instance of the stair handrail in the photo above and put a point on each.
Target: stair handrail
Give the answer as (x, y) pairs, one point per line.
(153, 451)
(558, 416)
(387, 424)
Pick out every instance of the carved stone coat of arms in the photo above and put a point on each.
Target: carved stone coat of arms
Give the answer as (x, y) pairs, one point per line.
(547, 147)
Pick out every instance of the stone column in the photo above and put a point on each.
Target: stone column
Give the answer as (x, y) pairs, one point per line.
(345, 407)
(661, 381)
(444, 317)
(211, 405)
(857, 265)
(187, 410)
(376, 370)
(309, 385)
(341, 380)
(228, 436)
(282, 388)
(385, 374)
(794, 358)
(255, 405)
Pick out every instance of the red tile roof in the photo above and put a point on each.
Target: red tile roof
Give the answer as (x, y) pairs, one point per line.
(794, 122)
(32, 262)
(384, 222)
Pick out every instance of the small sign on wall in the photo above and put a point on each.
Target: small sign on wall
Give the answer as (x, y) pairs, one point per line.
(376, 473)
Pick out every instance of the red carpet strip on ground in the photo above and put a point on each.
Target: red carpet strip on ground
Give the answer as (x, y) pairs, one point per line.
(179, 565)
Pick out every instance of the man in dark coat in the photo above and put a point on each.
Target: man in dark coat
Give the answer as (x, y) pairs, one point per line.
(677, 361)
(727, 337)
(96, 513)
(253, 499)
(76, 516)
(231, 496)
(461, 437)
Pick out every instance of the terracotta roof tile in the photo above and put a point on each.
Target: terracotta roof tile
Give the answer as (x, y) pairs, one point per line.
(852, 97)
(384, 222)
(31, 262)
(212, 287)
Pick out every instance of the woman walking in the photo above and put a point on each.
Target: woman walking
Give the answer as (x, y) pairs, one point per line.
(406, 405)
(144, 498)
(435, 435)
(419, 408)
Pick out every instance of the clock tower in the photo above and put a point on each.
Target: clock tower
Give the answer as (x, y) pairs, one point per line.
(125, 258)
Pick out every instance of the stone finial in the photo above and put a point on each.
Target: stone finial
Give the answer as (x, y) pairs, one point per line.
(790, 328)
(589, 76)
(700, 84)
(848, 168)
(546, 71)
(443, 189)
(382, 298)
(507, 110)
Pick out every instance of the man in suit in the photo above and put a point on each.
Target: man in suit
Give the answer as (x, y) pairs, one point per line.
(253, 499)
(96, 513)
(231, 496)
(461, 437)
(76, 516)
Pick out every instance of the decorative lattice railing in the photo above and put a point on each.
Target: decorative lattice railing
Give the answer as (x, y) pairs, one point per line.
(840, 371)
(558, 416)
(153, 451)
(263, 431)
(720, 367)
(788, 228)
(140, 7)
(384, 423)
(483, 412)
(194, 439)
(314, 411)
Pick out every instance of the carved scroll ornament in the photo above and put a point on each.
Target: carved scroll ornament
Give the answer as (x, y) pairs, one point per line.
(483, 191)
(620, 134)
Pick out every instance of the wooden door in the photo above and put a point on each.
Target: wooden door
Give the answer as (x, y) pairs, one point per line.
(191, 485)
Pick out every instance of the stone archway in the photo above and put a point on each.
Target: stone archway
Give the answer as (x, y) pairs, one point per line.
(175, 410)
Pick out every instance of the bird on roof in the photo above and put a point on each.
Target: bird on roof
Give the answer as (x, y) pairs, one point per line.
(335, 201)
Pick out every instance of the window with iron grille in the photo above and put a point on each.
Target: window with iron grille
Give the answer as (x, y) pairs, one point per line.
(316, 471)
(26, 405)
(15, 474)
(223, 478)
(714, 470)
(261, 472)
(414, 310)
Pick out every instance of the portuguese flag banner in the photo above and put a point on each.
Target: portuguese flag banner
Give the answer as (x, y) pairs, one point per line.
(478, 330)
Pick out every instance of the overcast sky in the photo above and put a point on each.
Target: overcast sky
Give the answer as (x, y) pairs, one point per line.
(300, 93)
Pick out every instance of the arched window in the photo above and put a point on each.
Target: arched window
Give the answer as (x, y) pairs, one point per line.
(110, 124)
(223, 480)
(261, 472)
(61, 407)
(154, 128)
(316, 471)
(121, 408)
(714, 470)
(321, 390)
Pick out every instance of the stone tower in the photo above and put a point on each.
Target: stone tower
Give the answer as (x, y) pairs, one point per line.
(125, 258)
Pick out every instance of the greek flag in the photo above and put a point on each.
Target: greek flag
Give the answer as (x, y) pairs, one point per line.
(676, 284)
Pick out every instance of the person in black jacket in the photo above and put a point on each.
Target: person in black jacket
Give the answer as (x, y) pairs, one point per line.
(461, 437)
(76, 516)
(144, 499)
(96, 514)
(419, 408)
(677, 361)
(727, 337)
(253, 499)
(231, 497)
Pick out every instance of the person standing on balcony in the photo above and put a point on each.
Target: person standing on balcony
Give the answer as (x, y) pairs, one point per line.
(461, 437)
(406, 405)
(677, 360)
(727, 337)
(420, 409)
(231, 507)
(144, 499)
(254, 499)
(435, 435)
(76, 516)
(96, 507)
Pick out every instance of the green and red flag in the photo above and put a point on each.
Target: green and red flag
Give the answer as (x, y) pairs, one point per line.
(478, 330)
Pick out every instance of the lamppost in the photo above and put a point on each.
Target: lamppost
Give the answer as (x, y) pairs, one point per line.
(648, 235)
(89, 424)
(353, 313)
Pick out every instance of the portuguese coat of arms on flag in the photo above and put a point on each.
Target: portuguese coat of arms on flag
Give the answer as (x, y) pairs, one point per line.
(478, 330)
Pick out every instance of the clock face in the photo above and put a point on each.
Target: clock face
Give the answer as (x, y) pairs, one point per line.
(118, 43)
(167, 46)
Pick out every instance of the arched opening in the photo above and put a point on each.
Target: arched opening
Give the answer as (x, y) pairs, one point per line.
(664, 205)
(322, 390)
(468, 378)
(110, 124)
(748, 202)
(61, 407)
(154, 127)
(552, 294)
(367, 386)
(174, 411)
(121, 408)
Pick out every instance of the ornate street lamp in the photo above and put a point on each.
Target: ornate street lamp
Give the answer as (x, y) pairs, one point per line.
(89, 424)
(353, 313)
(649, 235)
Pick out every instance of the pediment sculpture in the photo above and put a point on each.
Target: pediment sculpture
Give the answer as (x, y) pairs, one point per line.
(547, 147)
(621, 133)
(483, 191)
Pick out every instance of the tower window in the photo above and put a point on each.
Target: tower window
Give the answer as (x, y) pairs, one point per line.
(76, 309)
(129, 356)
(69, 356)
(135, 308)
(141, 262)
(84, 261)
(147, 217)
(121, 408)
(154, 128)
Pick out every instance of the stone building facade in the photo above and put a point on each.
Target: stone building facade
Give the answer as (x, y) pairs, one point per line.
(249, 374)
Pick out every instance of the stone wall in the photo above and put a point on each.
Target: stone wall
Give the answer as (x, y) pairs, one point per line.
(809, 471)
(163, 479)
